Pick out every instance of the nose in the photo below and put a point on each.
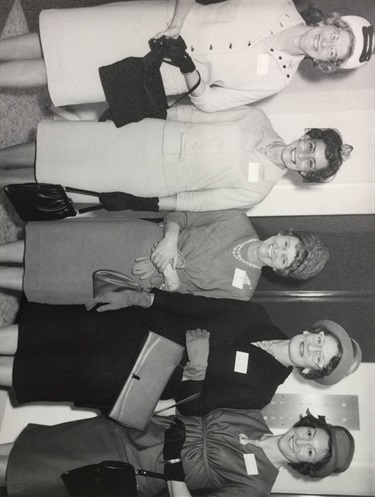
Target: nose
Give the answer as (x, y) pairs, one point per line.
(327, 43)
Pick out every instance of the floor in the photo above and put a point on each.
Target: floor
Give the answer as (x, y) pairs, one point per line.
(20, 112)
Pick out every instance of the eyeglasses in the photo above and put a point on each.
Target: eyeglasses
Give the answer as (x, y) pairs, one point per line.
(318, 356)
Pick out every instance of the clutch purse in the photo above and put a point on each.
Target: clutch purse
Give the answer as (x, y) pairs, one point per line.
(134, 88)
(157, 360)
(106, 479)
(109, 280)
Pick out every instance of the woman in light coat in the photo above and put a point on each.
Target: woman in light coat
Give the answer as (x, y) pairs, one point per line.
(244, 50)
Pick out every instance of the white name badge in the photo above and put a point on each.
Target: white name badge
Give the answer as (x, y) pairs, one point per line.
(251, 464)
(262, 64)
(241, 362)
(239, 278)
(253, 172)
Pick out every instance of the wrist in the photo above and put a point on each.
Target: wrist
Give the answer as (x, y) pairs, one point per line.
(176, 22)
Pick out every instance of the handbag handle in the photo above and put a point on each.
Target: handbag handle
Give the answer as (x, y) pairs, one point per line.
(188, 92)
(182, 401)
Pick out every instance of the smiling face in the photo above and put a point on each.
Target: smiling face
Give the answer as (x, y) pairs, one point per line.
(304, 444)
(326, 43)
(312, 351)
(305, 155)
(278, 251)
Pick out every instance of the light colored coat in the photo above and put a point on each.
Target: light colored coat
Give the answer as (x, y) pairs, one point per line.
(225, 41)
(219, 163)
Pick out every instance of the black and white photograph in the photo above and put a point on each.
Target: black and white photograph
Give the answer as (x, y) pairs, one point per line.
(187, 248)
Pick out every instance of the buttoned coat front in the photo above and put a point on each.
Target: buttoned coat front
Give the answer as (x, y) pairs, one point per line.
(225, 41)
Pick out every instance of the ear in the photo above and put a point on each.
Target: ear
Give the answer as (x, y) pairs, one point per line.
(306, 370)
(303, 174)
(274, 269)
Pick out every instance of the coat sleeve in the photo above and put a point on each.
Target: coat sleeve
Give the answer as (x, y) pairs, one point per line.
(216, 98)
(217, 199)
(188, 220)
(190, 114)
(193, 305)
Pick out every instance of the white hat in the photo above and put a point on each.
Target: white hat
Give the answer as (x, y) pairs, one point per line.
(363, 41)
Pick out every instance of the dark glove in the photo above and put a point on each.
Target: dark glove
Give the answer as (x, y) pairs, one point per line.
(119, 201)
(175, 52)
(174, 439)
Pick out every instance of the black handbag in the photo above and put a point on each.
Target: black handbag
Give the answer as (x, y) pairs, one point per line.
(133, 87)
(106, 479)
(44, 201)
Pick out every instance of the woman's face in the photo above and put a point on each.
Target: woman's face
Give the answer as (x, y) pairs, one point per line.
(311, 350)
(305, 155)
(278, 251)
(326, 43)
(304, 444)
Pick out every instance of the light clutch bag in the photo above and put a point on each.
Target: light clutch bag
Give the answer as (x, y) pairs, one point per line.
(109, 280)
(142, 390)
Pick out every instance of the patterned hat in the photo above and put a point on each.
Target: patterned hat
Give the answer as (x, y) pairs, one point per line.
(363, 41)
(317, 256)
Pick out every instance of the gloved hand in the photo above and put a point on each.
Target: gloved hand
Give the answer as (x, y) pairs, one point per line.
(119, 300)
(118, 201)
(174, 438)
(175, 54)
(197, 347)
(144, 268)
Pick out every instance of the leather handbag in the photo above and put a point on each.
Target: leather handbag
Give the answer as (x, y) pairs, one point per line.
(106, 479)
(109, 280)
(45, 201)
(134, 88)
(157, 360)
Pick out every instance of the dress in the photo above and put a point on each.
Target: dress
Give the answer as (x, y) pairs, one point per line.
(61, 256)
(225, 41)
(88, 354)
(210, 161)
(213, 456)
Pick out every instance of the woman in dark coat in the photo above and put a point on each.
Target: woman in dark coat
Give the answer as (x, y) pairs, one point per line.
(65, 353)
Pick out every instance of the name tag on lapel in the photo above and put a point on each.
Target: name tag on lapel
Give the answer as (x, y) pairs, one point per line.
(262, 64)
(239, 278)
(241, 362)
(253, 172)
(251, 464)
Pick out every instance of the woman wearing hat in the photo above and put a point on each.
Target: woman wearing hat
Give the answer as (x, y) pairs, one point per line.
(214, 254)
(241, 51)
(89, 354)
(231, 452)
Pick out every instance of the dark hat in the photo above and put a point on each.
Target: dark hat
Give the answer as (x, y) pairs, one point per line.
(363, 41)
(317, 255)
(342, 449)
(351, 356)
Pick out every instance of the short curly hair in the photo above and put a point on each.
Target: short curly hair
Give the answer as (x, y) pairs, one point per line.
(320, 373)
(313, 17)
(308, 468)
(333, 143)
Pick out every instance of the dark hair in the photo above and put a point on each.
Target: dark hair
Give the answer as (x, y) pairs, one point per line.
(333, 143)
(320, 373)
(308, 468)
(313, 16)
(301, 254)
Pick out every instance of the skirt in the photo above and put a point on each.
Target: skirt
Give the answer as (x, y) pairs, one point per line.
(99, 157)
(61, 256)
(42, 453)
(66, 354)
(76, 42)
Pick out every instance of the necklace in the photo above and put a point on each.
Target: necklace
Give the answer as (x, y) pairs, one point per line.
(236, 252)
